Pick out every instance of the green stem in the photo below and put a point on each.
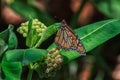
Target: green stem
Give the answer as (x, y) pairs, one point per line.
(30, 74)
(37, 44)
(76, 15)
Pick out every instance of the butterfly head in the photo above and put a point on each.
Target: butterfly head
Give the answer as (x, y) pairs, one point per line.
(63, 23)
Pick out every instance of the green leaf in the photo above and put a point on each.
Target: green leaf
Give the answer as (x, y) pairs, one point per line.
(27, 11)
(35, 37)
(5, 34)
(25, 56)
(12, 42)
(47, 33)
(7, 39)
(110, 8)
(32, 35)
(93, 35)
(3, 46)
(11, 70)
(13, 60)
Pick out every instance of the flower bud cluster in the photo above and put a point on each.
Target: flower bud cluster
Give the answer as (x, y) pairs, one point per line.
(53, 60)
(47, 67)
(36, 24)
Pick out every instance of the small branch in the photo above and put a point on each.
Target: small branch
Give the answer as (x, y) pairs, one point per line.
(37, 44)
(30, 74)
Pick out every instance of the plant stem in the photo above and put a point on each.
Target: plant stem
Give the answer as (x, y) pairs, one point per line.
(30, 74)
(76, 15)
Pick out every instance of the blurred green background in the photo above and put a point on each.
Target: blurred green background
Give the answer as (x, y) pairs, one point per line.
(102, 63)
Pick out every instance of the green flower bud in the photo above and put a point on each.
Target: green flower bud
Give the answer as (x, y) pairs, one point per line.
(51, 67)
(49, 64)
(59, 60)
(52, 51)
(21, 31)
(20, 28)
(24, 24)
(56, 53)
(37, 27)
(36, 24)
(47, 70)
(55, 65)
(53, 60)
(26, 30)
(43, 26)
(48, 59)
(24, 34)
(39, 34)
(58, 56)
(33, 27)
(52, 56)
(39, 30)
(43, 30)
(35, 20)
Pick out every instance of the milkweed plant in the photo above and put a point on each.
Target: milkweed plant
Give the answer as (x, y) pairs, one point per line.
(46, 62)
(33, 30)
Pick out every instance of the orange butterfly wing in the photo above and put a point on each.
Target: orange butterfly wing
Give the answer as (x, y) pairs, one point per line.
(66, 39)
(62, 41)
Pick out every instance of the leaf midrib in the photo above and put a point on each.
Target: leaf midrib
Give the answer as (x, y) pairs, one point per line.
(97, 29)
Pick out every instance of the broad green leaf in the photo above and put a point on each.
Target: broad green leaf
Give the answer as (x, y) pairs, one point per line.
(5, 34)
(25, 56)
(3, 46)
(30, 35)
(12, 42)
(11, 70)
(27, 11)
(7, 39)
(110, 8)
(93, 35)
(13, 61)
(47, 33)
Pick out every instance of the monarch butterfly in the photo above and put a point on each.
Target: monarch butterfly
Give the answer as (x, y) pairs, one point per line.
(66, 39)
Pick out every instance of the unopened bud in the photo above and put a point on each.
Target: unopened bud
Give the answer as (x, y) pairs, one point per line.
(24, 35)
(54, 65)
